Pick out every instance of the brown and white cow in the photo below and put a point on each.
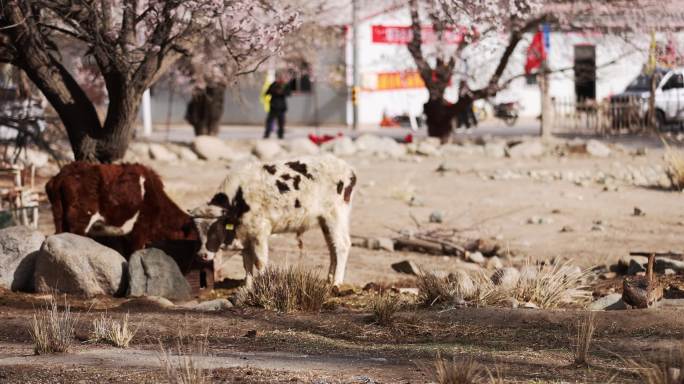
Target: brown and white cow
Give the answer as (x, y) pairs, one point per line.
(258, 199)
(116, 201)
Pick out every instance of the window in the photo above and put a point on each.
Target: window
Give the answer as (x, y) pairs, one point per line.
(585, 72)
(676, 81)
(301, 78)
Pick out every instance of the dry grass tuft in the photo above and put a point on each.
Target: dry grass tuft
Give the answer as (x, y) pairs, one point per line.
(51, 330)
(385, 307)
(668, 370)
(286, 290)
(674, 166)
(549, 287)
(118, 334)
(434, 289)
(585, 334)
(463, 371)
(183, 367)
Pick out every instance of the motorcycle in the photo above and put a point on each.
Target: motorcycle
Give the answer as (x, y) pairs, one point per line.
(508, 112)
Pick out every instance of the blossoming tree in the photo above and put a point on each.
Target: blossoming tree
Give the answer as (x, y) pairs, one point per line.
(130, 44)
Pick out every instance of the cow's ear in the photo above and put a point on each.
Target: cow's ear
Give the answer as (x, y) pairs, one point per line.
(220, 200)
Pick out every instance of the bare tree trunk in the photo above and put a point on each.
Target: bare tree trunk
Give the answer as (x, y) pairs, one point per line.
(546, 105)
(651, 117)
(205, 109)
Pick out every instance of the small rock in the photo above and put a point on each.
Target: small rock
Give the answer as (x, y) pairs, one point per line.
(638, 212)
(147, 302)
(494, 262)
(251, 333)
(386, 244)
(598, 228)
(526, 149)
(371, 287)
(608, 275)
(507, 278)
(510, 302)
(495, 150)
(341, 146)
(409, 291)
(610, 302)
(476, 257)
(428, 148)
(213, 305)
(302, 146)
(406, 266)
(436, 217)
(529, 305)
(567, 229)
(597, 148)
(161, 153)
(267, 149)
(670, 272)
(641, 151)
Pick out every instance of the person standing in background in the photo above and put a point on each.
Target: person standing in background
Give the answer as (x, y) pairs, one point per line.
(279, 90)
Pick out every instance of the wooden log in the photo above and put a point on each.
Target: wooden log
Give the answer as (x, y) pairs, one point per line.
(642, 291)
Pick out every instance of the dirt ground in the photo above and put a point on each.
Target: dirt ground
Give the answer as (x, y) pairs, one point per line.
(342, 344)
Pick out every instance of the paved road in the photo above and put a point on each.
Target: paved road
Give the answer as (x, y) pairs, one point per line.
(489, 127)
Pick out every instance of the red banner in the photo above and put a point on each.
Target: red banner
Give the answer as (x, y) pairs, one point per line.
(385, 34)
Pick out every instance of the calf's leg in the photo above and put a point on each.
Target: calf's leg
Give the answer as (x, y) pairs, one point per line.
(336, 232)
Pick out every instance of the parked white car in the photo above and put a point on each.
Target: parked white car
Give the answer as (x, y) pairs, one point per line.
(669, 97)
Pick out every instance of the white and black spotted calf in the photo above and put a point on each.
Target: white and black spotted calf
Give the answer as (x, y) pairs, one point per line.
(259, 199)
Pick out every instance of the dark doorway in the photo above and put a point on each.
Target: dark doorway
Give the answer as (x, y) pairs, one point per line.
(585, 72)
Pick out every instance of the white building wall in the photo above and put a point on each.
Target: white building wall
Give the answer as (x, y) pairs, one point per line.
(629, 56)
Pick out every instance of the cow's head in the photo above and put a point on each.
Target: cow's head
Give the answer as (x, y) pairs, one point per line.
(217, 223)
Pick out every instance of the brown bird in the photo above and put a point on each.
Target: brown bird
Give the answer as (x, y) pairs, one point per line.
(642, 291)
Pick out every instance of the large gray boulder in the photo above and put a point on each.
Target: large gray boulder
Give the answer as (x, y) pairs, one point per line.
(19, 247)
(153, 273)
(74, 264)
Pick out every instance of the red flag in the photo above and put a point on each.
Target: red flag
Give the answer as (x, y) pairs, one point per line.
(536, 53)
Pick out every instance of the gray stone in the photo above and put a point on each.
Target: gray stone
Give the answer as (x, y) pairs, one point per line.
(154, 273)
(506, 278)
(184, 153)
(597, 148)
(607, 303)
(428, 148)
(267, 149)
(409, 291)
(436, 217)
(341, 146)
(213, 148)
(510, 302)
(406, 266)
(148, 302)
(494, 262)
(161, 153)
(526, 149)
(476, 257)
(19, 248)
(69, 263)
(213, 305)
(495, 149)
(302, 146)
(385, 243)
